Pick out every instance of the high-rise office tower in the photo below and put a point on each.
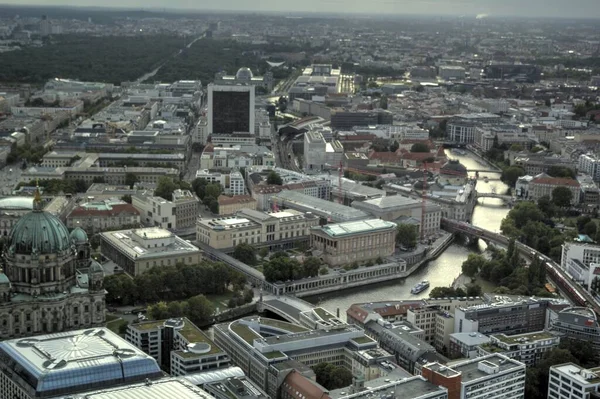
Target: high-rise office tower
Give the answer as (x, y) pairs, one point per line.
(230, 109)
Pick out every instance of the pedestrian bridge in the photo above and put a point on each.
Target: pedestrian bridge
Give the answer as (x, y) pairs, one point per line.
(287, 307)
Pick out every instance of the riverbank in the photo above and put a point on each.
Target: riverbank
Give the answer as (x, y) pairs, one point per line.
(435, 250)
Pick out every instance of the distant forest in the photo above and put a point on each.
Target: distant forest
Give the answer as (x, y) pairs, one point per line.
(111, 59)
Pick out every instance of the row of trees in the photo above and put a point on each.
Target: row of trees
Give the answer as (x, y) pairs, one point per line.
(172, 283)
(56, 186)
(450, 292)
(27, 153)
(283, 268)
(197, 308)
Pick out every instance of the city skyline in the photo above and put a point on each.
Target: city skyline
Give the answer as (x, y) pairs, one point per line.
(474, 8)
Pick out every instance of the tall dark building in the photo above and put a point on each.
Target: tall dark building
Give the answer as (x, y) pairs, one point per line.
(230, 109)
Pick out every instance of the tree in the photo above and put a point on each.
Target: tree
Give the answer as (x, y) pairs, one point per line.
(383, 102)
(311, 266)
(511, 174)
(331, 376)
(561, 171)
(590, 228)
(407, 235)
(393, 148)
(199, 187)
(200, 309)
(213, 190)
(274, 178)
(473, 264)
(419, 147)
(516, 147)
(474, 290)
(126, 198)
(562, 196)
(131, 179)
(214, 206)
(263, 252)
(546, 206)
(245, 253)
(165, 188)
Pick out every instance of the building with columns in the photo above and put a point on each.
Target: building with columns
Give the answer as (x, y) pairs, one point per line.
(49, 282)
(361, 241)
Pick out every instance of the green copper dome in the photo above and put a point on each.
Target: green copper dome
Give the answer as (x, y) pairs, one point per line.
(78, 235)
(39, 232)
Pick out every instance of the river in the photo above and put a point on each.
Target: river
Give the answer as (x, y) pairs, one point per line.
(488, 214)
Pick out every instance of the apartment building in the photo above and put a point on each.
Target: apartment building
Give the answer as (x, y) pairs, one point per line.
(590, 165)
(178, 346)
(526, 348)
(466, 345)
(229, 205)
(581, 261)
(569, 381)
(180, 213)
(543, 185)
(489, 377)
(360, 241)
(249, 226)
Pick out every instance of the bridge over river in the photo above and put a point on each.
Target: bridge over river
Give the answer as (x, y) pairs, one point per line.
(576, 292)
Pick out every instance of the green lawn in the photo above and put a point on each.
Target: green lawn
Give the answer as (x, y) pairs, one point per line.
(220, 301)
(115, 324)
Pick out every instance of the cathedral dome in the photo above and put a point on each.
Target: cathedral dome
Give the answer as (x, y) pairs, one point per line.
(38, 232)
(79, 236)
(244, 74)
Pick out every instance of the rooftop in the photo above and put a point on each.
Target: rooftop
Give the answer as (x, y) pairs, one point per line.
(358, 227)
(72, 359)
(168, 388)
(412, 387)
(148, 242)
(521, 338)
(306, 203)
(471, 369)
(578, 373)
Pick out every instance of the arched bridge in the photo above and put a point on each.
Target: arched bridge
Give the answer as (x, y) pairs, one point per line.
(576, 292)
(285, 306)
(503, 197)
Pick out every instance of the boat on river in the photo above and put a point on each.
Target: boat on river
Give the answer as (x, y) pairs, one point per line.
(422, 286)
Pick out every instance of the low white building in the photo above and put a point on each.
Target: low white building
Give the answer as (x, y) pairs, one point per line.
(581, 261)
(568, 381)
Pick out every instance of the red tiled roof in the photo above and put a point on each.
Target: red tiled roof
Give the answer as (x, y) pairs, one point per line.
(299, 387)
(556, 181)
(417, 156)
(385, 156)
(236, 199)
(115, 211)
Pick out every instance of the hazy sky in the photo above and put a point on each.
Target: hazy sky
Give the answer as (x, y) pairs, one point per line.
(529, 8)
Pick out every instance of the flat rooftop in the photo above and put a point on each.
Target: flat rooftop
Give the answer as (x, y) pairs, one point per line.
(412, 387)
(163, 389)
(320, 207)
(357, 227)
(575, 373)
(75, 358)
(470, 369)
(522, 338)
(140, 243)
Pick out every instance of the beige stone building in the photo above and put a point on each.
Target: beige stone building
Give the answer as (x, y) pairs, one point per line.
(229, 205)
(361, 241)
(272, 229)
(137, 251)
(180, 213)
